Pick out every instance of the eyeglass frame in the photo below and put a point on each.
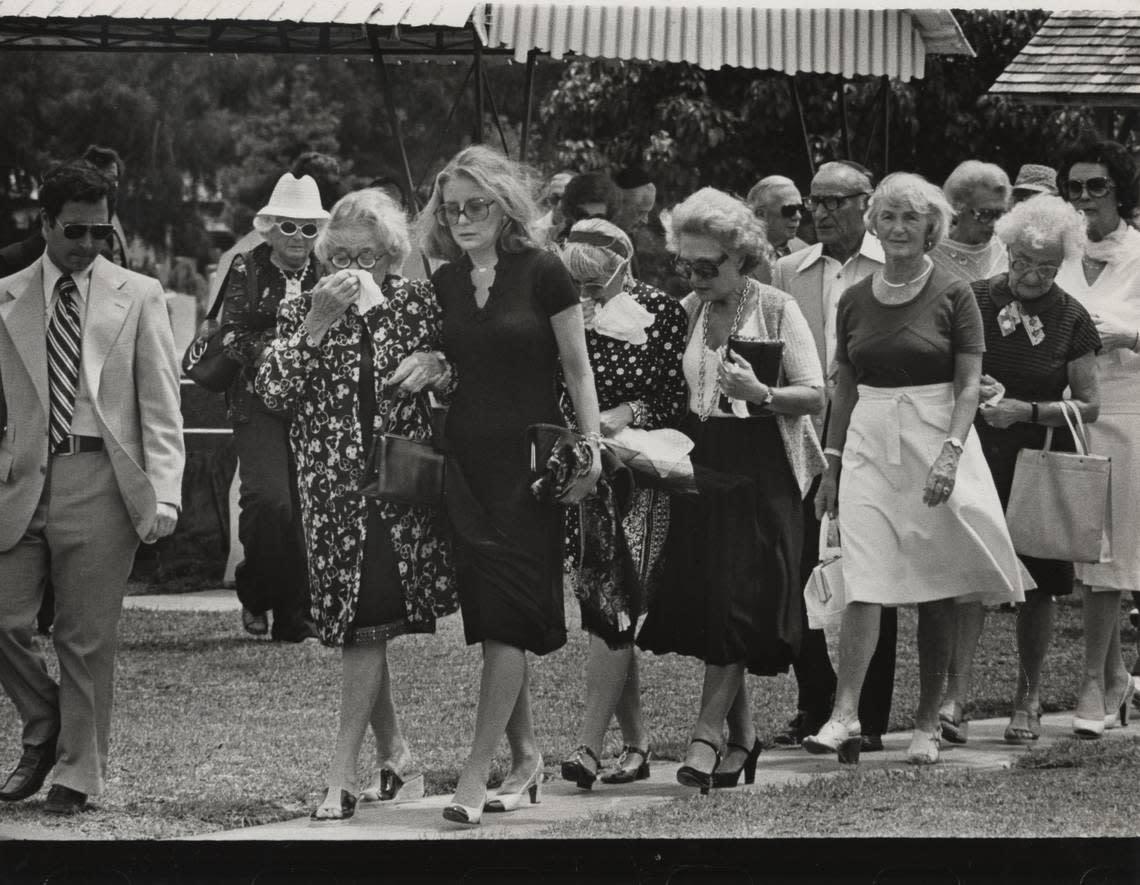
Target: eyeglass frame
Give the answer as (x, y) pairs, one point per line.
(74, 230)
(979, 213)
(684, 267)
(601, 287)
(354, 259)
(814, 203)
(1038, 269)
(444, 210)
(1085, 187)
(300, 228)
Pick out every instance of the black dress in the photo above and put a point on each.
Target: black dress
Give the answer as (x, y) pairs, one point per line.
(1031, 373)
(508, 546)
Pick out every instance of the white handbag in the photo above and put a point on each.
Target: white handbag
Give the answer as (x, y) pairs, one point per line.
(824, 594)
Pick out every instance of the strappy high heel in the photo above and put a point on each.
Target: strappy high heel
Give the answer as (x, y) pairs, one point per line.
(688, 776)
(574, 769)
(723, 779)
(845, 739)
(511, 801)
(624, 772)
(925, 747)
(390, 787)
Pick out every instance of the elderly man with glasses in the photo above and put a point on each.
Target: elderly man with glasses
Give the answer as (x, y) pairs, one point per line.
(777, 202)
(816, 277)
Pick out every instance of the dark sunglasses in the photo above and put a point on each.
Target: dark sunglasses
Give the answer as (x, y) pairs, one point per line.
(1095, 187)
(704, 268)
(475, 209)
(79, 231)
(791, 211)
(987, 216)
(831, 203)
(289, 228)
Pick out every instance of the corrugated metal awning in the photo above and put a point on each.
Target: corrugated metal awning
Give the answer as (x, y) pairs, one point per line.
(1078, 57)
(850, 42)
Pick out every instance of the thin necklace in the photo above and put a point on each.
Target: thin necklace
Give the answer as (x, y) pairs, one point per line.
(703, 411)
(926, 265)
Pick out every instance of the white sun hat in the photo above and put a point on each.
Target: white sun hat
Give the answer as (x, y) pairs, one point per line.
(295, 198)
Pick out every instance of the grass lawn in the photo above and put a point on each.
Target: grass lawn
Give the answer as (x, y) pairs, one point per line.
(215, 730)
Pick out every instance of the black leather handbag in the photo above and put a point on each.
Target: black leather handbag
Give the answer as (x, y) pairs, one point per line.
(408, 471)
(206, 362)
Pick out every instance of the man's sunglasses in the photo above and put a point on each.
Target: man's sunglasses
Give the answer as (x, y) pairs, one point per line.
(704, 268)
(1094, 187)
(79, 231)
(987, 216)
(792, 210)
(475, 209)
(831, 202)
(290, 228)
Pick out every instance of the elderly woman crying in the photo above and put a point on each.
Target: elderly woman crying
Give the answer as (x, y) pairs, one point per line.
(354, 358)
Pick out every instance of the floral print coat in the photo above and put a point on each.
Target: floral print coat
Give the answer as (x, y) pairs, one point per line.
(319, 385)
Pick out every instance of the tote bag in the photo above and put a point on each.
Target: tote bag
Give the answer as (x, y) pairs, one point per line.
(1059, 504)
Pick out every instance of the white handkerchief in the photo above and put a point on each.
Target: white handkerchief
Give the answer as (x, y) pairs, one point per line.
(623, 318)
(370, 294)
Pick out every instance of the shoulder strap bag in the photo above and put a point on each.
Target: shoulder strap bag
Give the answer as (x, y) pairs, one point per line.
(1059, 504)
(401, 470)
(206, 362)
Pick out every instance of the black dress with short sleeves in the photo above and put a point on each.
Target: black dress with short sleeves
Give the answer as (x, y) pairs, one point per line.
(508, 545)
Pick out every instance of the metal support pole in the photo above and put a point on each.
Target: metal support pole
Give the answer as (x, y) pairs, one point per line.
(873, 113)
(477, 60)
(803, 125)
(843, 117)
(528, 104)
(442, 139)
(495, 111)
(886, 125)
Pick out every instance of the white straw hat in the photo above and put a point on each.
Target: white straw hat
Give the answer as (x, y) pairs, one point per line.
(295, 198)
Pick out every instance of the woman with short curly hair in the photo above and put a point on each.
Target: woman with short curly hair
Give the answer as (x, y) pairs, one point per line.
(732, 594)
(979, 194)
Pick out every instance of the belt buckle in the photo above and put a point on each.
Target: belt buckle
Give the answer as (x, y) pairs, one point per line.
(71, 445)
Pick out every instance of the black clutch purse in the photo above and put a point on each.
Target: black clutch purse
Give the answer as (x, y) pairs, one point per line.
(408, 471)
(765, 358)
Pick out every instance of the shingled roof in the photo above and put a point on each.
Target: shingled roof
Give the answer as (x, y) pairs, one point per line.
(1078, 57)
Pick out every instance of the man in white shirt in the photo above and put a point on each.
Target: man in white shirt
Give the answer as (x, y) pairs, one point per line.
(817, 277)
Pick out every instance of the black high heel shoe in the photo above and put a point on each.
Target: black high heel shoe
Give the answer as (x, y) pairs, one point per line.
(723, 779)
(575, 770)
(687, 776)
(625, 772)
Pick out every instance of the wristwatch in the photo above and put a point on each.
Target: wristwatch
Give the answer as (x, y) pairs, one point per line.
(956, 444)
(761, 408)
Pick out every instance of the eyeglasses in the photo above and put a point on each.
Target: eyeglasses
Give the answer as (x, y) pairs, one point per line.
(291, 228)
(79, 231)
(365, 259)
(791, 211)
(987, 216)
(551, 200)
(1021, 267)
(704, 268)
(475, 209)
(595, 290)
(1094, 187)
(831, 203)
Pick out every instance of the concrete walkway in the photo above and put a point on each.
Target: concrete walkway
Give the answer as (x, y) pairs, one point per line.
(561, 801)
(199, 601)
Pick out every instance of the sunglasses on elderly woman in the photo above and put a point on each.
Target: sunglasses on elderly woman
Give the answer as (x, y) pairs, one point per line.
(475, 209)
(1021, 267)
(987, 216)
(1095, 187)
(79, 231)
(704, 268)
(291, 228)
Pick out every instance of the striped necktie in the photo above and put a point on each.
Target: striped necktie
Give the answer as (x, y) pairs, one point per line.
(63, 349)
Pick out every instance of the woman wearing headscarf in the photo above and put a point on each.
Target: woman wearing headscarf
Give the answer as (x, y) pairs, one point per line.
(920, 520)
(635, 336)
(732, 595)
(272, 576)
(352, 359)
(1099, 179)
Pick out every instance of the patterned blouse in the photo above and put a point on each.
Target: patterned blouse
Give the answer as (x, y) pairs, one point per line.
(319, 385)
(251, 328)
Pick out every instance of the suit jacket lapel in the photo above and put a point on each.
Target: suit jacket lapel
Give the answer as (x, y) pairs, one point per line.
(107, 309)
(24, 318)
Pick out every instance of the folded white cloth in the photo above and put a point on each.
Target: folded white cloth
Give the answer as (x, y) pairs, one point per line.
(663, 453)
(623, 319)
(370, 294)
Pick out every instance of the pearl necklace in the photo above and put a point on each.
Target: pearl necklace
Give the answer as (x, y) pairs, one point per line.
(927, 264)
(705, 411)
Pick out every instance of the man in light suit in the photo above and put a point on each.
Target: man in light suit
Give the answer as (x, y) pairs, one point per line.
(91, 463)
(816, 277)
(776, 201)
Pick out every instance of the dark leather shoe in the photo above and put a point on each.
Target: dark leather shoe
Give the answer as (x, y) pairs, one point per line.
(64, 800)
(799, 727)
(28, 775)
(872, 743)
(255, 625)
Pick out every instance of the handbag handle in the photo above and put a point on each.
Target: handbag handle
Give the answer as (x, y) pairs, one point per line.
(1080, 437)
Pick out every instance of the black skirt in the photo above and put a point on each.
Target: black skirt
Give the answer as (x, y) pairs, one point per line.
(1000, 446)
(731, 591)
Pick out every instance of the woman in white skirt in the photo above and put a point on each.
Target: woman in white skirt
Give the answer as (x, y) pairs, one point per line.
(1099, 179)
(920, 520)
